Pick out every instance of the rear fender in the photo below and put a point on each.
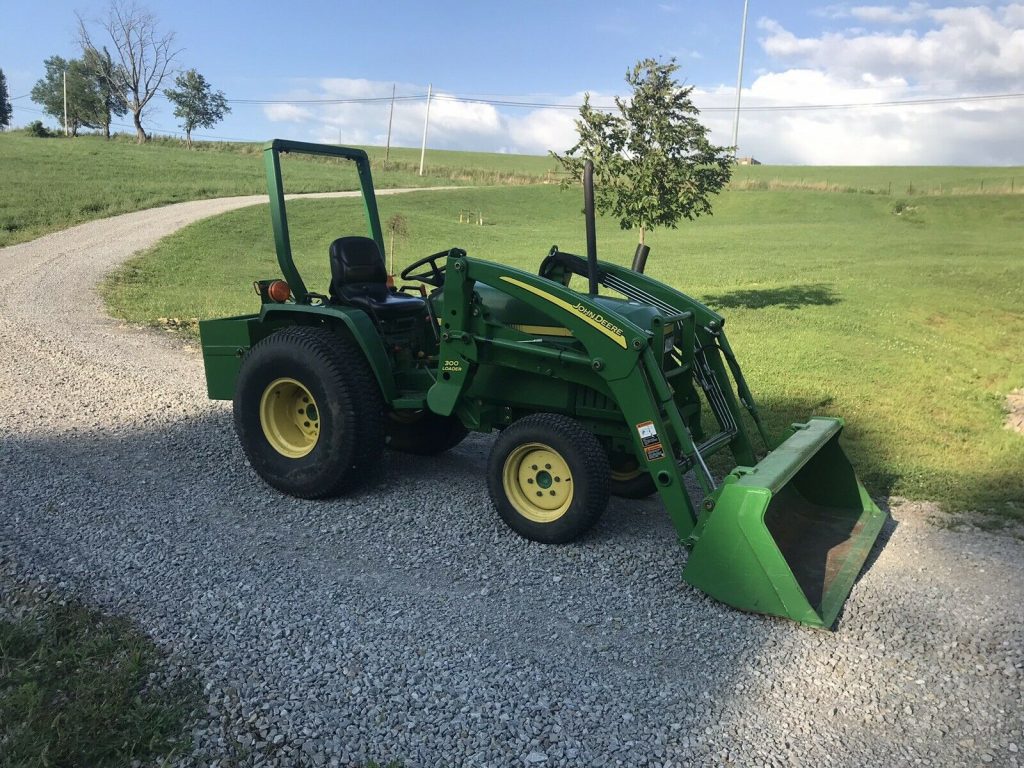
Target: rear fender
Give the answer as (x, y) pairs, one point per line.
(352, 322)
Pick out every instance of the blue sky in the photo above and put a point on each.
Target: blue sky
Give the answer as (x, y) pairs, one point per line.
(798, 53)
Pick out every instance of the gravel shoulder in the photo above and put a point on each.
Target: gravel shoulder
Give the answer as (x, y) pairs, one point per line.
(407, 622)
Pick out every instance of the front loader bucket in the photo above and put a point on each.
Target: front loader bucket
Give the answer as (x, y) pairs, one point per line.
(789, 536)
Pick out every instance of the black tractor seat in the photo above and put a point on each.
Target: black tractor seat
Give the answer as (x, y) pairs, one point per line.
(359, 279)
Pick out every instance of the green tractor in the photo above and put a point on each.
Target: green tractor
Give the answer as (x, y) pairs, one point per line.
(591, 394)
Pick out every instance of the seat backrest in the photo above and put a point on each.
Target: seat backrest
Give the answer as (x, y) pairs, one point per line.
(356, 260)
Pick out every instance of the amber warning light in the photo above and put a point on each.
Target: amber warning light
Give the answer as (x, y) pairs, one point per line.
(278, 291)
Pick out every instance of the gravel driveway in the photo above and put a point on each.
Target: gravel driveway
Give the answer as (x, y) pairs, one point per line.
(407, 622)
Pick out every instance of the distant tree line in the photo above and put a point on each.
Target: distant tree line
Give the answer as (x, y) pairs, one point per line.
(108, 82)
(6, 112)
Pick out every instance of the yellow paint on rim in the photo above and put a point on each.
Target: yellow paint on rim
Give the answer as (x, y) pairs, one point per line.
(618, 338)
(289, 418)
(537, 482)
(622, 475)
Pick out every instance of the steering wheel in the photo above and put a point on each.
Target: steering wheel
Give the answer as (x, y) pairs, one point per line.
(434, 276)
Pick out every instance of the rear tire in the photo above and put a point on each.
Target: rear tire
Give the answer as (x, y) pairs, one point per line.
(423, 432)
(308, 412)
(548, 478)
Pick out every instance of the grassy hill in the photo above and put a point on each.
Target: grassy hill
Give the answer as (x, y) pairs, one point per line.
(50, 184)
(901, 315)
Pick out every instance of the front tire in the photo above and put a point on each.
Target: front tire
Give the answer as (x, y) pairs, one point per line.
(308, 412)
(548, 478)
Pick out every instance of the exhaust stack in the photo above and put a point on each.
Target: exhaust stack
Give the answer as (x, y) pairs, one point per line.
(588, 214)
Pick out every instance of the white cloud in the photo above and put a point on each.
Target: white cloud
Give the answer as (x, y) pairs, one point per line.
(541, 130)
(979, 45)
(286, 113)
(957, 51)
(454, 123)
(888, 14)
(974, 133)
(950, 52)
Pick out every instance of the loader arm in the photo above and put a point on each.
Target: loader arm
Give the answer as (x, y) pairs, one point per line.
(621, 353)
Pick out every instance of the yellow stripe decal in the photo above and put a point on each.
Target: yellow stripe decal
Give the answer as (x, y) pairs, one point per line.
(543, 330)
(598, 322)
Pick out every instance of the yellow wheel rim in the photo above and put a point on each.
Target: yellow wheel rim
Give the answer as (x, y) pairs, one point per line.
(289, 417)
(627, 470)
(537, 482)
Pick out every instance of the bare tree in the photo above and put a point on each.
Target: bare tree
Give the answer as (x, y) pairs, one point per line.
(145, 53)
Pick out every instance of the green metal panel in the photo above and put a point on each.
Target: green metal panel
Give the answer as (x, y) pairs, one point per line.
(224, 343)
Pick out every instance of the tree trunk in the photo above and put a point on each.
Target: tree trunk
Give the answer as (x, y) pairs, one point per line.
(188, 138)
(140, 133)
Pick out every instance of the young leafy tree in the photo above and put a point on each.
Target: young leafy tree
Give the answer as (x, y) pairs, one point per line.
(144, 55)
(110, 101)
(6, 112)
(653, 163)
(83, 100)
(195, 104)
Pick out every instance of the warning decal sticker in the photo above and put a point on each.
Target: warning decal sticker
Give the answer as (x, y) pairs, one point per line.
(651, 442)
(654, 452)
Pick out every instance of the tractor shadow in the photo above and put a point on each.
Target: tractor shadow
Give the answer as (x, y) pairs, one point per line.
(786, 297)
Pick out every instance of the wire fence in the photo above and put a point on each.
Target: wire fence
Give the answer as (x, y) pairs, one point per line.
(896, 187)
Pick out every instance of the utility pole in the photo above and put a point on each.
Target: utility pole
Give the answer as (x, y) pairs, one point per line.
(426, 122)
(66, 132)
(739, 82)
(391, 117)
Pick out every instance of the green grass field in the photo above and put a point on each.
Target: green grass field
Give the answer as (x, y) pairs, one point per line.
(50, 184)
(906, 324)
(886, 180)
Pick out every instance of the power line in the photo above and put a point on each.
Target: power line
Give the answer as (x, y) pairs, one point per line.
(365, 100)
(601, 107)
(766, 108)
(512, 103)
